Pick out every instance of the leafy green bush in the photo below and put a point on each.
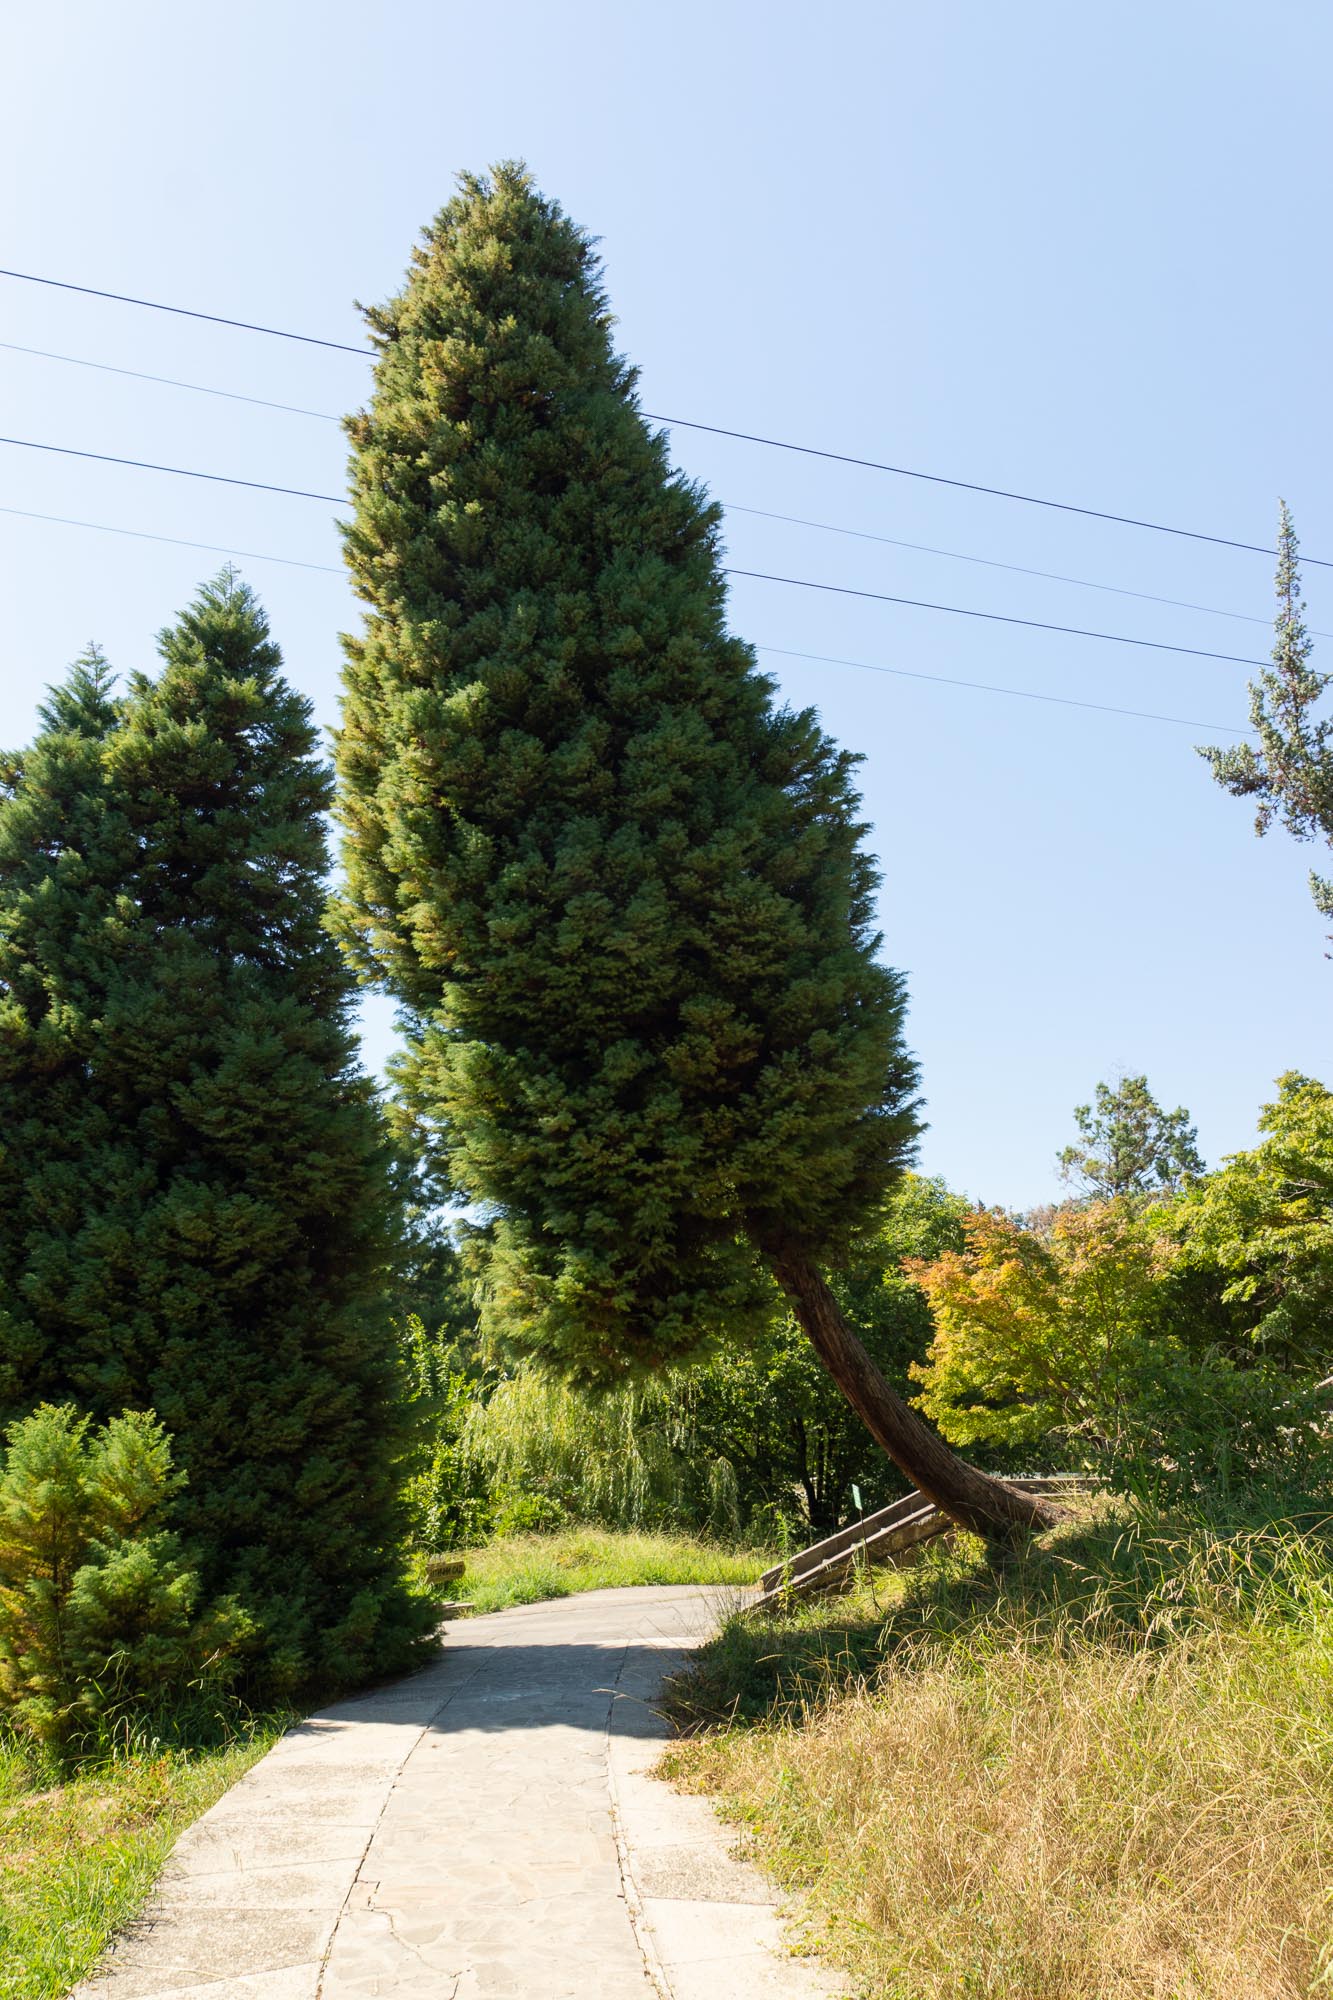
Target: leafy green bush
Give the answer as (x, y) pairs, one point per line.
(1173, 1346)
(1203, 1429)
(1045, 1330)
(1264, 1222)
(98, 1607)
(449, 1498)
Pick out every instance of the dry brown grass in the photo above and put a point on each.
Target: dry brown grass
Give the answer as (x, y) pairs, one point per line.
(1105, 1792)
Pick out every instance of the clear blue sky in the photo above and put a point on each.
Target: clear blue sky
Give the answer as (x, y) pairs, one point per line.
(1067, 250)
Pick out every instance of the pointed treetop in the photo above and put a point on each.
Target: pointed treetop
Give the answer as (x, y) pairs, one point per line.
(225, 627)
(1128, 1145)
(84, 702)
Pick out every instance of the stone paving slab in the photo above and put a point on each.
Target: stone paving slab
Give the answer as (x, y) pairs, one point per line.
(487, 1829)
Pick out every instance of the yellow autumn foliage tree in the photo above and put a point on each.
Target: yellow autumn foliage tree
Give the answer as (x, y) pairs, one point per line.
(1041, 1331)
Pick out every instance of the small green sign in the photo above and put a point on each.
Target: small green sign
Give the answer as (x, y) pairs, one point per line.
(856, 1499)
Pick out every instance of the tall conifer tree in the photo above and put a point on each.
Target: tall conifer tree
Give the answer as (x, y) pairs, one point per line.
(193, 1181)
(1289, 771)
(622, 896)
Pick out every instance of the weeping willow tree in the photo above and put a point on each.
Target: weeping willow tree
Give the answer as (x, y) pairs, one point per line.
(622, 896)
(614, 1459)
(522, 1450)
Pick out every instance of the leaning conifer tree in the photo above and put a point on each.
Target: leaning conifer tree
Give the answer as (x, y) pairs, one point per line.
(197, 1216)
(620, 895)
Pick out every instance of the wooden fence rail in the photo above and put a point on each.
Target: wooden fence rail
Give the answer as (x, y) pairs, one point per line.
(882, 1537)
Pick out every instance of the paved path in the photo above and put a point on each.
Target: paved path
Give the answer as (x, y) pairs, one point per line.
(485, 1830)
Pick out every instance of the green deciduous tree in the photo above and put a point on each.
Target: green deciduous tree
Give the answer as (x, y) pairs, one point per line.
(1290, 772)
(1040, 1332)
(1153, 1340)
(1264, 1220)
(193, 1178)
(621, 895)
(1128, 1145)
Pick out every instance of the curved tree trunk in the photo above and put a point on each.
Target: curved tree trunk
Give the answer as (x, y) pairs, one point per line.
(971, 1498)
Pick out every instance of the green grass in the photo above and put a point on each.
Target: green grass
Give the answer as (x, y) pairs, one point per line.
(80, 1849)
(1102, 1771)
(523, 1569)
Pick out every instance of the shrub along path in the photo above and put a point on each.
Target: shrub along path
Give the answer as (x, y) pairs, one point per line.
(485, 1828)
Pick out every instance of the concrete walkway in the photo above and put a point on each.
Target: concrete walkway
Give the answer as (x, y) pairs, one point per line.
(485, 1830)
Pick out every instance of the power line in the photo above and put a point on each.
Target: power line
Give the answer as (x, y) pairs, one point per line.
(997, 617)
(786, 652)
(175, 541)
(992, 562)
(178, 471)
(989, 687)
(714, 430)
(732, 506)
(186, 312)
(972, 486)
(169, 382)
(761, 576)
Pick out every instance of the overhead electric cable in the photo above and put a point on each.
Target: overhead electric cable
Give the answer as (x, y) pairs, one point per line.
(714, 430)
(989, 687)
(786, 652)
(997, 617)
(187, 312)
(1015, 569)
(761, 576)
(732, 506)
(176, 541)
(169, 382)
(178, 471)
(973, 486)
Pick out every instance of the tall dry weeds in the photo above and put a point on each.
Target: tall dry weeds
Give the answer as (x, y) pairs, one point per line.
(1121, 1793)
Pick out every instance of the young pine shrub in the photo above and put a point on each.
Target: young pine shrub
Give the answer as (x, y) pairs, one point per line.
(98, 1607)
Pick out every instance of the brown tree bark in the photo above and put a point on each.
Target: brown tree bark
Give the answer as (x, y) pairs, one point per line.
(973, 1499)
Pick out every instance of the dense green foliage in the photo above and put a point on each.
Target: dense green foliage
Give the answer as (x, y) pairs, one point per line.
(754, 1441)
(1264, 1222)
(98, 1610)
(1042, 1330)
(195, 1198)
(1180, 1343)
(622, 898)
(551, 1454)
(1175, 1341)
(1290, 773)
(1128, 1145)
